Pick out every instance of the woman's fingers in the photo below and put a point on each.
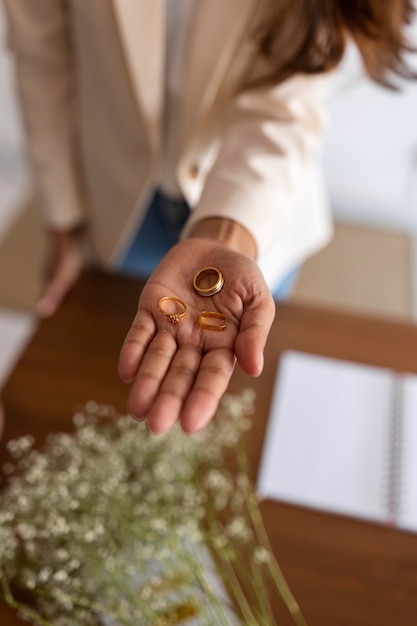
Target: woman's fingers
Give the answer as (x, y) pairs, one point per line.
(64, 277)
(174, 384)
(210, 384)
(254, 329)
(154, 364)
(177, 379)
(137, 340)
(175, 388)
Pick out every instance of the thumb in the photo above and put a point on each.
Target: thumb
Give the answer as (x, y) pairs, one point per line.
(250, 343)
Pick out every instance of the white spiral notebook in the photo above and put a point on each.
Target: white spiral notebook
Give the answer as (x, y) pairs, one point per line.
(342, 437)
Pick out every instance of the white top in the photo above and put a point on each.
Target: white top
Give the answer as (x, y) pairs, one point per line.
(179, 18)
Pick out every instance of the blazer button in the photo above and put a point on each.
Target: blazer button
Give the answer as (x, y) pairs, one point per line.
(193, 170)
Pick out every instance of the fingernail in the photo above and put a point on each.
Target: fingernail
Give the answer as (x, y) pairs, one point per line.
(137, 419)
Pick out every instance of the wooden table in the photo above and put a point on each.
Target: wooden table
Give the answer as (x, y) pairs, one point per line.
(343, 572)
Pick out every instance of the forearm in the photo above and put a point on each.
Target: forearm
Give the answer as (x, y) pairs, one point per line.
(270, 143)
(226, 232)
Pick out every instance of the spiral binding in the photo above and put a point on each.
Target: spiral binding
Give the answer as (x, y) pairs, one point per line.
(395, 451)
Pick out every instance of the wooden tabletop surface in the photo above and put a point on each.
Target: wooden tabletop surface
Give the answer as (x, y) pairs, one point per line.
(343, 572)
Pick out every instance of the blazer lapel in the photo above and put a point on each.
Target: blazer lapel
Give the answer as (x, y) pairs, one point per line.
(217, 31)
(142, 28)
(218, 28)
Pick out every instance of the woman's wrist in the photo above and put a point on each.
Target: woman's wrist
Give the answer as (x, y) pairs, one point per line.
(226, 232)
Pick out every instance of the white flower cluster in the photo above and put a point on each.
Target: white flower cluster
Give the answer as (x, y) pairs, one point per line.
(107, 525)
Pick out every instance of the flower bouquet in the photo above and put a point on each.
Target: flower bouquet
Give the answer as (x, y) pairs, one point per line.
(113, 526)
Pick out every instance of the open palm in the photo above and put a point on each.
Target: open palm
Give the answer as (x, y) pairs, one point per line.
(180, 371)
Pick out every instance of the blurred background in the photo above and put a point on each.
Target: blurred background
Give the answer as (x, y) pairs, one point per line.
(370, 162)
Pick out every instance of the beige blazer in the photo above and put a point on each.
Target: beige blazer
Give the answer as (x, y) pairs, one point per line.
(90, 76)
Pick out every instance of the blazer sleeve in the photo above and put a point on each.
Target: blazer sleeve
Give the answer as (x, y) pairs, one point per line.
(271, 139)
(39, 38)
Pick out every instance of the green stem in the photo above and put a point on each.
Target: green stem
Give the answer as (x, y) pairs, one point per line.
(10, 600)
(273, 567)
(239, 595)
(200, 574)
(264, 602)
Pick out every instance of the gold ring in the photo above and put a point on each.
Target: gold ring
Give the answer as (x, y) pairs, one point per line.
(215, 288)
(174, 316)
(220, 316)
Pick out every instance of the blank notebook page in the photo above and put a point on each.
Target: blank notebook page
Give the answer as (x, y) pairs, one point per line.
(407, 514)
(328, 438)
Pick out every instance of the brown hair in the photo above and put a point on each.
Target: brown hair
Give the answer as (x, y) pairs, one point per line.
(310, 36)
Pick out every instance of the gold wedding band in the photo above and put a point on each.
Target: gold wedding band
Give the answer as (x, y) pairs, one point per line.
(212, 314)
(174, 316)
(215, 288)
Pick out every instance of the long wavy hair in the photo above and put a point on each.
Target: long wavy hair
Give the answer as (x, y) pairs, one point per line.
(310, 36)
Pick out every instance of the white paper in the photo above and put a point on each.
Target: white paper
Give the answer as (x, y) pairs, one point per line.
(327, 443)
(408, 496)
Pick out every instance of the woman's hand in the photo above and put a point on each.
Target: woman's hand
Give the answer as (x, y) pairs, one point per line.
(64, 266)
(180, 371)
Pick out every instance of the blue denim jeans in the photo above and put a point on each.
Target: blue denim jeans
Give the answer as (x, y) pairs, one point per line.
(159, 231)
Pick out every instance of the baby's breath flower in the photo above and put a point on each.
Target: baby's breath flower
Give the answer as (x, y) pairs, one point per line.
(158, 524)
(243, 482)
(89, 536)
(59, 526)
(73, 564)
(239, 529)
(220, 501)
(62, 554)
(60, 576)
(219, 542)
(19, 447)
(91, 406)
(44, 575)
(6, 517)
(102, 526)
(262, 555)
(29, 578)
(78, 419)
